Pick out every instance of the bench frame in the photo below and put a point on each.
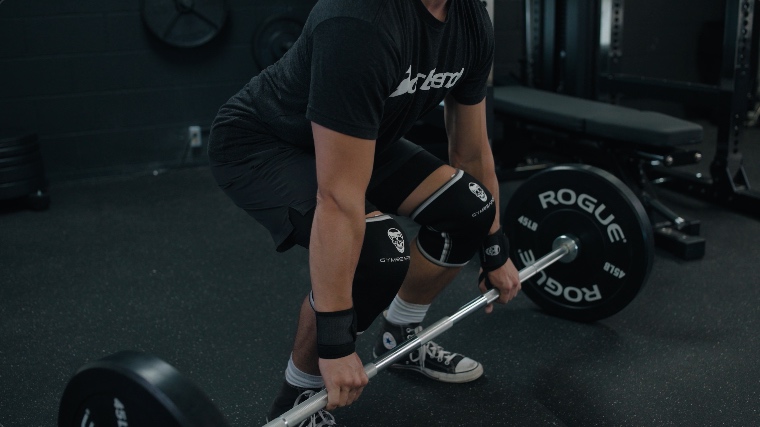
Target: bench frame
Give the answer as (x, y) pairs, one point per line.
(556, 128)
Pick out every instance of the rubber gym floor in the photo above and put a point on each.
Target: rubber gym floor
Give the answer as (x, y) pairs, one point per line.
(166, 264)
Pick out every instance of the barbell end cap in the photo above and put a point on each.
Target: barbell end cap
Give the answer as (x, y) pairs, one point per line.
(568, 242)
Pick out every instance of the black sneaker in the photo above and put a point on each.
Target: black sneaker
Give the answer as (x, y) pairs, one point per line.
(285, 401)
(430, 359)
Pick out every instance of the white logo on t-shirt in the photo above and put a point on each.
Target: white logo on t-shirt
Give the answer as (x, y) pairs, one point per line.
(432, 80)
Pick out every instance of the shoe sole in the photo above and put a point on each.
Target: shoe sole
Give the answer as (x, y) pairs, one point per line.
(462, 377)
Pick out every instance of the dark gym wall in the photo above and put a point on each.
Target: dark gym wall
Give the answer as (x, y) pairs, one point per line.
(104, 95)
(509, 30)
(676, 40)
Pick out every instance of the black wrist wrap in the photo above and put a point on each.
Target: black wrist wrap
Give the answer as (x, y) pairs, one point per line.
(494, 252)
(336, 333)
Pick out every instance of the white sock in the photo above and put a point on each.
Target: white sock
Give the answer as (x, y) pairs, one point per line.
(300, 379)
(401, 312)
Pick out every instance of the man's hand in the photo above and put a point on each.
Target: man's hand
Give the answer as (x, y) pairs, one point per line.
(344, 379)
(506, 279)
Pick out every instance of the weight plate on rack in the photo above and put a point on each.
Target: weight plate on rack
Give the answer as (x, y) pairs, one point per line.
(273, 38)
(16, 189)
(131, 388)
(613, 232)
(184, 23)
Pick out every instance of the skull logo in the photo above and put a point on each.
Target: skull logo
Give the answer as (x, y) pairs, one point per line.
(493, 250)
(397, 237)
(476, 190)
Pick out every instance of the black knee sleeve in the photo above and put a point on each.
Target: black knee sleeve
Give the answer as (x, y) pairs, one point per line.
(455, 220)
(382, 267)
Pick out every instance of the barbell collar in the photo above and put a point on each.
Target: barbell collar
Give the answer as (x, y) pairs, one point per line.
(565, 245)
(569, 243)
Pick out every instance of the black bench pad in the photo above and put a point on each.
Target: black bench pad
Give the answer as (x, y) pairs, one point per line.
(595, 119)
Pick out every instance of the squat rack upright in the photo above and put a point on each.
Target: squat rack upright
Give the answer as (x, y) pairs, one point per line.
(576, 47)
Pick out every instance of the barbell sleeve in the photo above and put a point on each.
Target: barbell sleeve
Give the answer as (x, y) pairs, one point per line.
(319, 400)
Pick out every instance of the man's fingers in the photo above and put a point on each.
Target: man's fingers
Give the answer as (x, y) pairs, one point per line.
(338, 397)
(344, 396)
(353, 396)
(344, 380)
(483, 289)
(333, 398)
(509, 293)
(512, 291)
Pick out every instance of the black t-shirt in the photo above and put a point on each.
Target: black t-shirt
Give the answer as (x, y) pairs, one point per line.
(369, 69)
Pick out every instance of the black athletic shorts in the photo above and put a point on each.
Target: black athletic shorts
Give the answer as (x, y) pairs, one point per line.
(277, 183)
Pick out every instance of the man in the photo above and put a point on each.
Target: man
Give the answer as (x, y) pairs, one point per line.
(312, 148)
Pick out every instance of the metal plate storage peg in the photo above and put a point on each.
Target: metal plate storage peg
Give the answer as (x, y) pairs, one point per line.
(184, 23)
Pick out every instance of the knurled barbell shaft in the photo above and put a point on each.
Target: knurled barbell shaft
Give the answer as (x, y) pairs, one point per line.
(319, 400)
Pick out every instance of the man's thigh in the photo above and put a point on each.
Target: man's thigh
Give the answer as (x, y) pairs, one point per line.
(405, 170)
(276, 182)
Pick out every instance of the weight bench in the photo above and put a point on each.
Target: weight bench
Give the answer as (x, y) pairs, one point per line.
(625, 141)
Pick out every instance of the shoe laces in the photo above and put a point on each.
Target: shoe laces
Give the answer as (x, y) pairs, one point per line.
(320, 418)
(429, 350)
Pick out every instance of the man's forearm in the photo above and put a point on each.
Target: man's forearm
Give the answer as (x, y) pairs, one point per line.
(336, 239)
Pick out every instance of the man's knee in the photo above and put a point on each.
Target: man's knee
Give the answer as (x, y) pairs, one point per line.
(382, 267)
(455, 220)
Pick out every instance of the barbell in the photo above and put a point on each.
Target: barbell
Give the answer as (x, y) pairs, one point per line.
(598, 246)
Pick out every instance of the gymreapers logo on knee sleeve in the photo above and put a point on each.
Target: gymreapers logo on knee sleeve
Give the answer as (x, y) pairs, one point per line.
(432, 80)
(397, 237)
(478, 191)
